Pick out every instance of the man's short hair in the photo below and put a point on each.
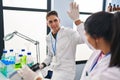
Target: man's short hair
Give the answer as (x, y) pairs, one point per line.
(51, 13)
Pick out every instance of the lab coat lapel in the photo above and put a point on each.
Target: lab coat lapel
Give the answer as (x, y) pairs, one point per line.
(104, 61)
(92, 62)
(101, 65)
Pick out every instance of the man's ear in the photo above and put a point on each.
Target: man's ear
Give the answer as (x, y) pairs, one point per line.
(47, 24)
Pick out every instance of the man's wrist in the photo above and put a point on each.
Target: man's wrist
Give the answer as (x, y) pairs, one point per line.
(77, 22)
(44, 65)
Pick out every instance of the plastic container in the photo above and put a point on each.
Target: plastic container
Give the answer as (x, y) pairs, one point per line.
(30, 61)
(23, 59)
(18, 63)
(4, 55)
(7, 67)
(12, 55)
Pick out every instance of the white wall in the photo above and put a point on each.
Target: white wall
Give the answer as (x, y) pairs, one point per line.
(61, 6)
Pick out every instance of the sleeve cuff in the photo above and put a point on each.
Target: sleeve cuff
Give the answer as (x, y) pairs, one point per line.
(44, 65)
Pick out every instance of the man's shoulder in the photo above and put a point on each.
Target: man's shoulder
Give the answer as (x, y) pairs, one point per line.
(67, 29)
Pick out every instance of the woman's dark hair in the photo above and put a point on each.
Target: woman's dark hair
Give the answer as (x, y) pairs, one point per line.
(115, 46)
(51, 13)
(106, 25)
(100, 25)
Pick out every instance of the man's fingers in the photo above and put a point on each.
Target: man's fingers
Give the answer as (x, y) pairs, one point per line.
(71, 6)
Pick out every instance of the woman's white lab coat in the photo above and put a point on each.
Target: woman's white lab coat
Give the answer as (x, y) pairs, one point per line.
(101, 66)
(101, 71)
(112, 73)
(67, 39)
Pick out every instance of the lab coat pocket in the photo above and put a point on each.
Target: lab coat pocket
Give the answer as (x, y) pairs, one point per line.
(87, 78)
(55, 62)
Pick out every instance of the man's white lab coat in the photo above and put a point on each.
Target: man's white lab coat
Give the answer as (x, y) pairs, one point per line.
(67, 40)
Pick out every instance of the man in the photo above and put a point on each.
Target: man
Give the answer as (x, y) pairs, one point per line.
(61, 43)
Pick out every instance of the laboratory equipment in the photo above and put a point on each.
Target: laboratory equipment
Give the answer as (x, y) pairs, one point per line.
(6, 67)
(18, 62)
(11, 35)
(29, 59)
(36, 43)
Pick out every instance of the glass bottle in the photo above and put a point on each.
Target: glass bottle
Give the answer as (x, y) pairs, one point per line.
(114, 7)
(109, 8)
(118, 8)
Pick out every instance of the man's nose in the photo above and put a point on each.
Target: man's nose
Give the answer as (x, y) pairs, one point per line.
(53, 23)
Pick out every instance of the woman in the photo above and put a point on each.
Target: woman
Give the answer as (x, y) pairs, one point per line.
(102, 31)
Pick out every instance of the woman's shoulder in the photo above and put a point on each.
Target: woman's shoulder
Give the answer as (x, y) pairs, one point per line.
(111, 73)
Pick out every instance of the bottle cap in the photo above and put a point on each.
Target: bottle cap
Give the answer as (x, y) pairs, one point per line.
(11, 50)
(29, 53)
(4, 51)
(20, 55)
(22, 49)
